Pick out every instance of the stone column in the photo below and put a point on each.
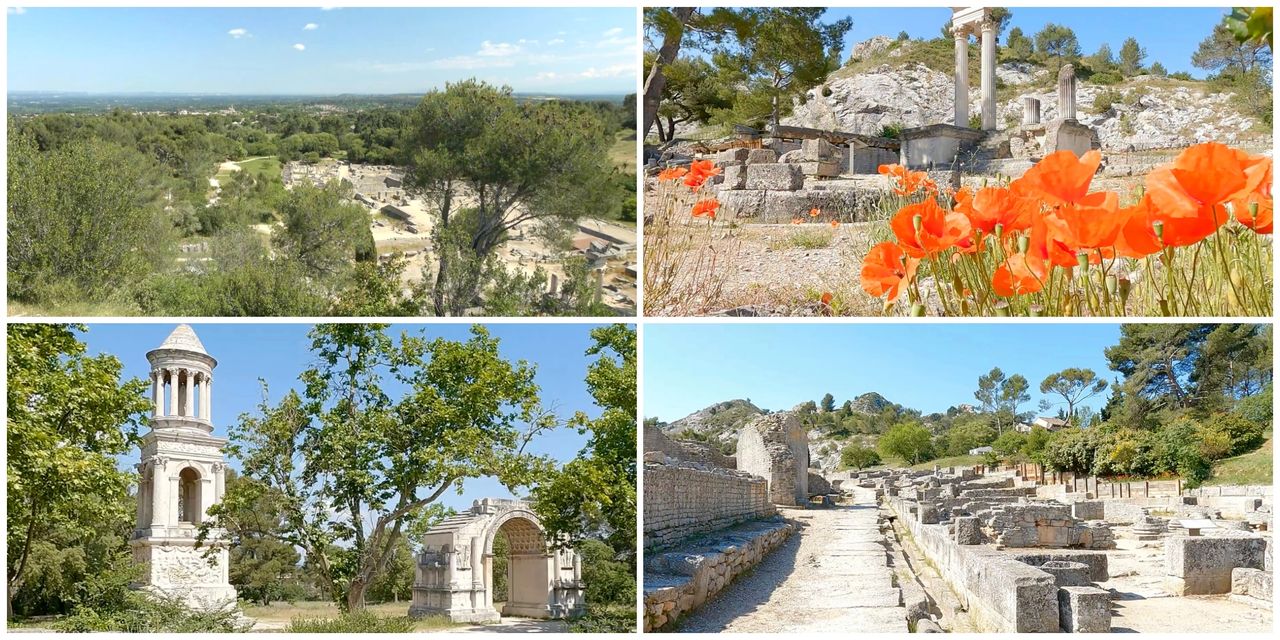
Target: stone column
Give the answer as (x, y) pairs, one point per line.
(208, 398)
(204, 396)
(962, 77)
(175, 494)
(157, 392)
(189, 409)
(219, 481)
(988, 75)
(1067, 93)
(577, 566)
(159, 501)
(1030, 110)
(208, 493)
(141, 467)
(173, 393)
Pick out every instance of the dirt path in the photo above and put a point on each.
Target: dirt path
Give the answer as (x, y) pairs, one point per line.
(832, 575)
(513, 625)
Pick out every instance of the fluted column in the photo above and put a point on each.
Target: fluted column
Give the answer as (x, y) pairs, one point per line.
(189, 409)
(207, 407)
(159, 501)
(962, 77)
(988, 75)
(157, 392)
(173, 392)
(142, 498)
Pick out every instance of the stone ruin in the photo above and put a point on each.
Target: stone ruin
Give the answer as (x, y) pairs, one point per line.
(776, 448)
(1036, 139)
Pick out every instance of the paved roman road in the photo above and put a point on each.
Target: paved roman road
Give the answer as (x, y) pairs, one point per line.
(832, 575)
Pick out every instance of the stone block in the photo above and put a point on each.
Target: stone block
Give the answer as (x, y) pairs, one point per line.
(774, 177)
(1200, 565)
(968, 530)
(1254, 583)
(761, 156)
(741, 204)
(1066, 573)
(1087, 510)
(1067, 135)
(735, 177)
(1084, 610)
(818, 150)
(729, 157)
(822, 169)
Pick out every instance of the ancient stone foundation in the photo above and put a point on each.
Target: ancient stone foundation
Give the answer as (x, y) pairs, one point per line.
(776, 448)
(683, 500)
(1203, 565)
(678, 582)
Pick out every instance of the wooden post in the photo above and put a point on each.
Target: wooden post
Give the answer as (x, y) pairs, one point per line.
(1146, 488)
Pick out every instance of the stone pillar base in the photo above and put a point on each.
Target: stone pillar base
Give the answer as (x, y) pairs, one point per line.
(472, 616)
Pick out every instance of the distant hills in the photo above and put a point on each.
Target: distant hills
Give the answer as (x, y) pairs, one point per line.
(35, 102)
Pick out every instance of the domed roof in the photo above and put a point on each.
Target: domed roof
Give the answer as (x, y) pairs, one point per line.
(183, 338)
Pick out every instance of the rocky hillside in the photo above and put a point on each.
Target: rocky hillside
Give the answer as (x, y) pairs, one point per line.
(717, 424)
(888, 83)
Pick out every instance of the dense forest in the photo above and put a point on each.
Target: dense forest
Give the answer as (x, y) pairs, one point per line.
(111, 213)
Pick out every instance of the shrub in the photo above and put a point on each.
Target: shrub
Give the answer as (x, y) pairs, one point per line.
(1257, 408)
(359, 622)
(608, 580)
(1106, 78)
(150, 613)
(858, 457)
(605, 619)
(892, 130)
(1243, 435)
(1103, 102)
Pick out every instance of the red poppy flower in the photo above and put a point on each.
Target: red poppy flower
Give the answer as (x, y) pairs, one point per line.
(1016, 276)
(907, 182)
(939, 229)
(993, 206)
(699, 172)
(1091, 226)
(815, 212)
(705, 208)
(1137, 238)
(667, 175)
(1060, 178)
(885, 269)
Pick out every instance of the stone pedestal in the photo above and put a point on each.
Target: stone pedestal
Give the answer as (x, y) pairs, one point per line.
(936, 146)
(1084, 610)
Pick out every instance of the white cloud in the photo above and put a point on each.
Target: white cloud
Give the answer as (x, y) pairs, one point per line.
(300, 47)
(310, 26)
(472, 62)
(329, 8)
(15, 11)
(497, 49)
(238, 33)
(613, 32)
(555, 41)
(546, 75)
(612, 71)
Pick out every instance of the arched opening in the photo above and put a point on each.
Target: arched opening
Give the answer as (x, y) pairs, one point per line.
(189, 496)
(517, 569)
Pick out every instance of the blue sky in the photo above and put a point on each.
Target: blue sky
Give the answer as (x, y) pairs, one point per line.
(278, 353)
(929, 367)
(312, 51)
(1169, 34)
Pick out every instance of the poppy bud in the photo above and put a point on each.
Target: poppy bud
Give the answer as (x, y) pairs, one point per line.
(1023, 243)
(1158, 227)
(956, 285)
(1002, 308)
(917, 310)
(1164, 307)
(999, 229)
(1035, 310)
(1124, 287)
(1113, 284)
(1253, 211)
(917, 221)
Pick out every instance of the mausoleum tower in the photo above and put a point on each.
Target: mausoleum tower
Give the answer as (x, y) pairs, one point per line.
(181, 475)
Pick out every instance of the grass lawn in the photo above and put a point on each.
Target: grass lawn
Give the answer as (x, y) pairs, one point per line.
(623, 151)
(284, 612)
(267, 165)
(1251, 468)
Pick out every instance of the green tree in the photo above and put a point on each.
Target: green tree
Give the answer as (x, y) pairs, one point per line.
(1158, 70)
(1073, 385)
(595, 493)
(1019, 47)
(356, 467)
(84, 219)
(693, 92)
(395, 583)
(776, 54)
(1013, 394)
(988, 393)
(69, 415)
(1103, 60)
(263, 568)
(532, 164)
(1001, 16)
(1009, 446)
(1058, 43)
(1222, 53)
(828, 403)
(323, 230)
(908, 441)
(858, 457)
(608, 580)
(1131, 56)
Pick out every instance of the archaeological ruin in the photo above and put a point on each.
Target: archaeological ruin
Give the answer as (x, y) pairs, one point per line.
(454, 576)
(757, 541)
(182, 473)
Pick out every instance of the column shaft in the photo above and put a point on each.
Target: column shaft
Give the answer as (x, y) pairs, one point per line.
(962, 78)
(988, 76)
(157, 392)
(173, 393)
(189, 409)
(159, 501)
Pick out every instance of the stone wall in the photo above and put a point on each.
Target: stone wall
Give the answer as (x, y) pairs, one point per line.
(776, 448)
(683, 500)
(1002, 594)
(677, 583)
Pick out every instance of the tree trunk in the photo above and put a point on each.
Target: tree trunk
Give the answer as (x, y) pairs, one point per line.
(656, 82)
(437, 292)
(355, 595)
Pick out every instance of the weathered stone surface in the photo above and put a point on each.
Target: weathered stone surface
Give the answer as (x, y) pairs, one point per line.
(1066, 573)
(762, 156)
(727, 157)
(776, 448)
(741, 204)
(1254, 583)
(1084, 610)
(818, 485)
(735, 177)
(967, 530)
(684, 500)
(774, 177)
(823, 169)
(782, 206)
(1200, 565)
(1069, 135)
